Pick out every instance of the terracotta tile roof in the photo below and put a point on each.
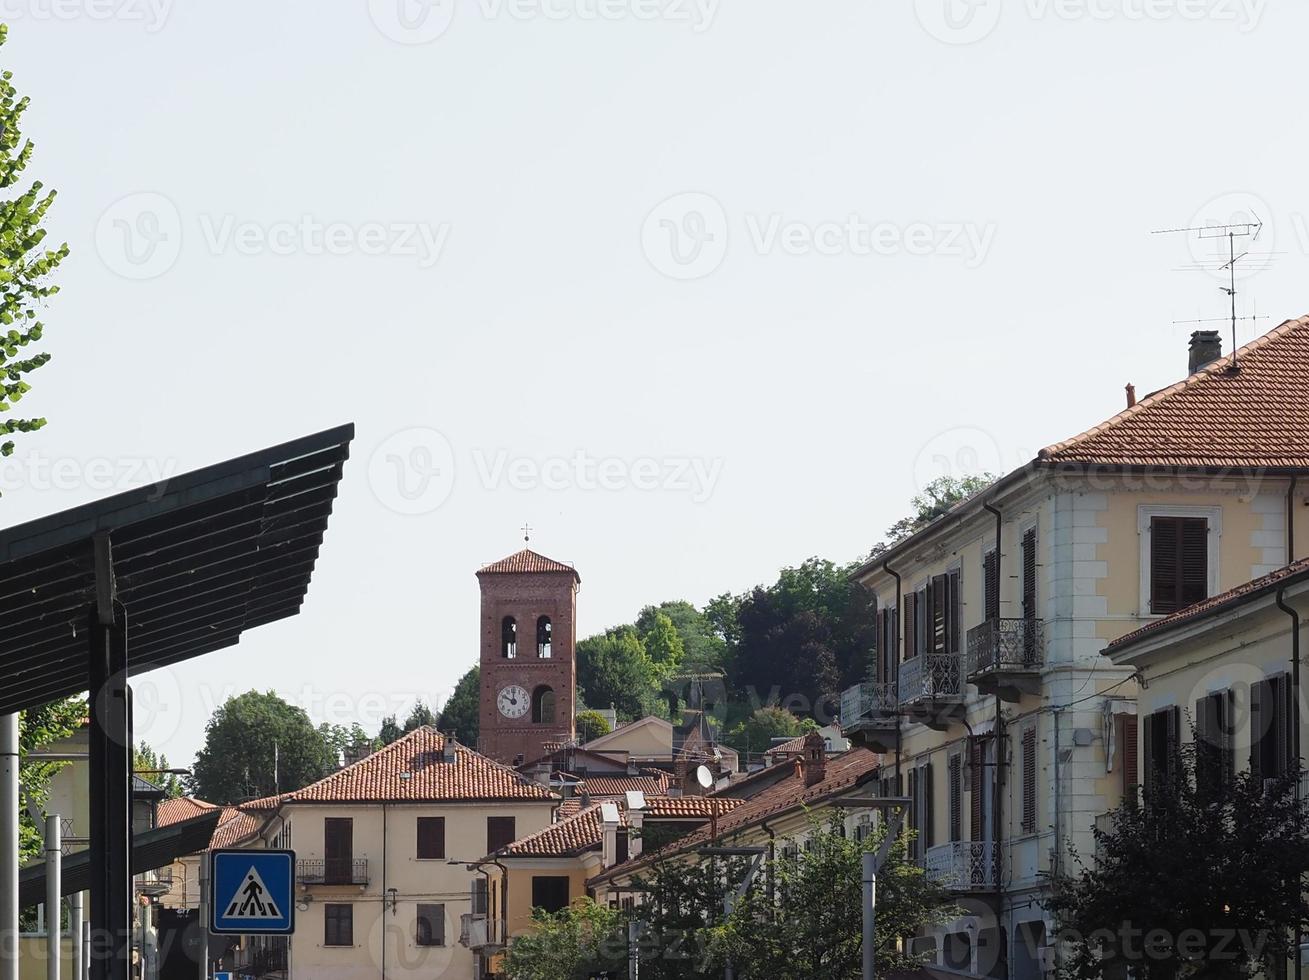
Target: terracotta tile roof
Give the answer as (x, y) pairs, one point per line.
(652, 784)
(793, 747)
(181, 808)
(844, 772)
(1214, 604)
(1257, 416)
(411, 770)
(235, 826)
(583, 830)
(527, 561)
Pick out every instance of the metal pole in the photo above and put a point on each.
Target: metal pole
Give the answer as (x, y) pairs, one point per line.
(870, 913)
(204, 917)
(54, 853)
(75, 935)
(9, 847)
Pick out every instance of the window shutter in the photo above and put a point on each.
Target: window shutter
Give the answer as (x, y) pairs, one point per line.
(1131, 766)
(1173, 719)
(1029, 574)
(1164, 543)
(1227, 734)
(955, 778)
(929, 796)
(954, 612)
(940, 617)
(991, 586)
(1151, 759)
(879, 661)
(910, 622)
(1195, 560)
(1282, 732)
(977, 821)
(913, 810)
(1258, 727)
(1029, 781)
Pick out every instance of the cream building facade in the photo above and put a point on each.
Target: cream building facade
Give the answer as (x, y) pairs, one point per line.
(1006, 721)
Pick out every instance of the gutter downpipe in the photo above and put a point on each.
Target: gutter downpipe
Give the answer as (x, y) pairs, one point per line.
(1295, 731)
(899, 735)
(384, 892)
(1001, 761)
(772, 857)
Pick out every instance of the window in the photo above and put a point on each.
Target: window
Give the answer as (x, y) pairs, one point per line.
(920, 808)
(1161, 746)
(431, 837)
(338, 850)
(543, 629)
(509, 638)
(430, 926)
(550, 892)
(1270, 727)
(1179, 562)
(1214, 755)
(977, 815)
(991, 586)
(480, 896)
(499, 832)
(543, 706)
(1131, 766)
(338, 925)
(622, 846)
(888, 647)
(910, 625)
(1029, 593)
(1029, 781)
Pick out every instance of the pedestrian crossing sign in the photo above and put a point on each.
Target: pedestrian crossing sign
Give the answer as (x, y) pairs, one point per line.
(252, 893)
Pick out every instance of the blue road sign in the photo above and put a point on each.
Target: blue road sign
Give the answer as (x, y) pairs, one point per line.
(252, 893)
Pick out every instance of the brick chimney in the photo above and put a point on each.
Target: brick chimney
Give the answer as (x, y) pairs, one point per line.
(813, 759)
(1206, 347)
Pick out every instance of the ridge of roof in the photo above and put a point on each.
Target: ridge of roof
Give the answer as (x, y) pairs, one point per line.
(527, 562)
(1214, 605)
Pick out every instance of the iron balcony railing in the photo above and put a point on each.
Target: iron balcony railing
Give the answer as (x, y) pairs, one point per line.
(477, 932)
(1006, 645)
(271, 960)
(962, 865)
(867, 702)
(932, 677)
(332, 871)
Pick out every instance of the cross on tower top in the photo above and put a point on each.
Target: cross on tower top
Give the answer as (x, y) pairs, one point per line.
(527, 533)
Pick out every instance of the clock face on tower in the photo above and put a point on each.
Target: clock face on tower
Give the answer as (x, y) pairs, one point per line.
(512, 701)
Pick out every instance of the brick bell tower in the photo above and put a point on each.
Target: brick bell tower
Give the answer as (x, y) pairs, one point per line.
(529, 672)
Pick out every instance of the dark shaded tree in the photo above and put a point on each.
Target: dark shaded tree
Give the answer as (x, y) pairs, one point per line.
(419, 715)
(755, 734)
(152, 766)
(936, 499)
(257, 744)
(614, 670)
(1199, 876)
(461, 715)
(390, 730)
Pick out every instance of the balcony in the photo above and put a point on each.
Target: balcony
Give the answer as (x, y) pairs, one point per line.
(962, 865)
(868, 715)
(332, 871)
(1005, 657)
(932, 688)
(478, 933)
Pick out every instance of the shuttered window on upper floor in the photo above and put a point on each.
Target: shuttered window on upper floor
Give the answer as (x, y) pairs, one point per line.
(1179, 562)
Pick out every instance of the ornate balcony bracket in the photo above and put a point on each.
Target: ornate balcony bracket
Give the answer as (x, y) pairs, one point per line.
(1005, 657)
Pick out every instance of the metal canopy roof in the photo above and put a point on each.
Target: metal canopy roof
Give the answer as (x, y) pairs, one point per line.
(197, 559)
(151, 849)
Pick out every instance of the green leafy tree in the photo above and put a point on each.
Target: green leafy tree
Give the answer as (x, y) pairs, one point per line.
(152, 765)
(256, 744)
(935, 500)
(614, 669)
(390, 730)
(721, 616)
(814, 928)
(25, 266)
(341, 740)
(461, 716)
(39, 728)
(1198, 877)
(662, 642)
(703, 648)
(419, 716)
(572, 944)
(591, 725)
(756, 733)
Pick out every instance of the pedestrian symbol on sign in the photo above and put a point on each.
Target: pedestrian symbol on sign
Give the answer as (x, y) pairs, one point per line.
(252, 900)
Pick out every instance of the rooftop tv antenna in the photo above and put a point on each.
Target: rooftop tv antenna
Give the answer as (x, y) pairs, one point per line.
(1241, 229)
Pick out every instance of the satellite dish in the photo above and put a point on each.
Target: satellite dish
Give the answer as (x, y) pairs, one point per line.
(704, 777)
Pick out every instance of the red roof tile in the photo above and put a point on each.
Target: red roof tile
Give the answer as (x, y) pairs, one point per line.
(179, 809)
(651, 785)
(844, 772)
(235, 827)
(411, 770)
(1256, 416)
(583, 831)
(527, 562)
(1213, 605)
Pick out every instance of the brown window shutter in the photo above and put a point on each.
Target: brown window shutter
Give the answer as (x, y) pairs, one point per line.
(929, 807)
(954, 611)
(977, 822)
(1029, 781)
(991, 585)
(1173, 742)
(1131, 765)
(1179, 562)
(1151, 762)
(1227, 733)
(913, 810)
(910, 624)
(955, 777)
(1029, 574)
(940, 603)
(1195, 560)
(879, 659)
(1258, 726)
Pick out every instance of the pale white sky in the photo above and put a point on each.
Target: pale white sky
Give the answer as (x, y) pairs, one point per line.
(699, 289)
